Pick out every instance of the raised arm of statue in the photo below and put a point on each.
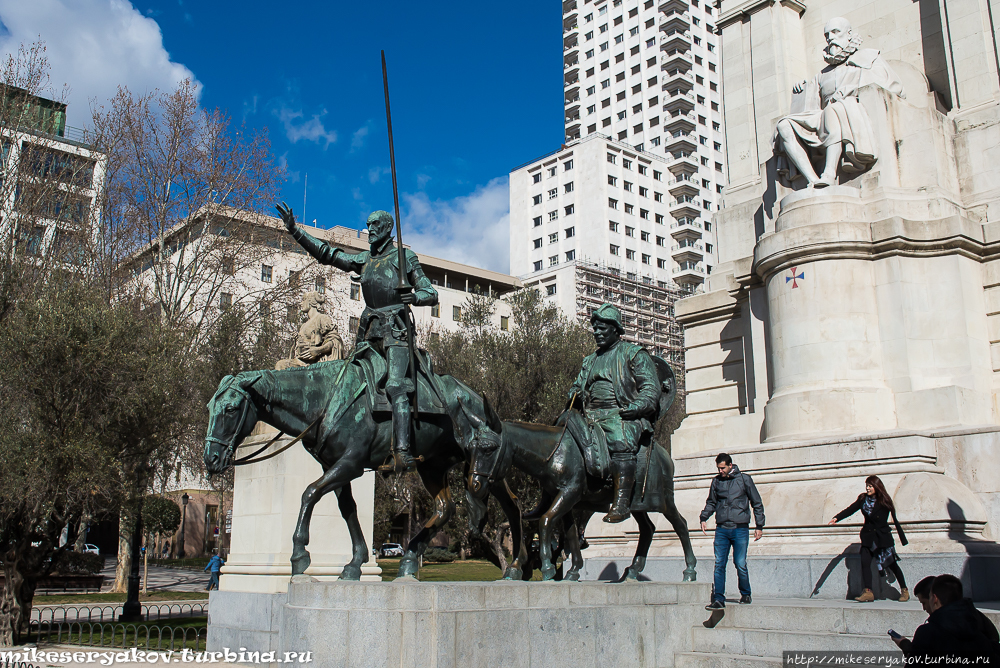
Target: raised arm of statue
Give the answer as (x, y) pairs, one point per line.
(322, 251)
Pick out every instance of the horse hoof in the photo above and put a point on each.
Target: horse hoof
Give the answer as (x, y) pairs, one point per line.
(548, 573)
(690, 575)
(512, 573)
(406, 578)
(407, 568)
(350, 572)
(300, 564)
(631, 575)
(572, 577)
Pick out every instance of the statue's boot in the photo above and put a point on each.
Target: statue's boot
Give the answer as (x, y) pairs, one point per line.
(624, 472)
(402, 460)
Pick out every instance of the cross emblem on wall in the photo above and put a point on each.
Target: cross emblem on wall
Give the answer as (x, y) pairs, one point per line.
(796, 276)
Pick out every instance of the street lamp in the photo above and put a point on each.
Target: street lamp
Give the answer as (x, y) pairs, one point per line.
(180, 538)
(132, 609)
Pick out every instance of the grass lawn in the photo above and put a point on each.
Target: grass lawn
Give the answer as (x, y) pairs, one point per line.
(194, 563)
(73, 599)
(469, 570)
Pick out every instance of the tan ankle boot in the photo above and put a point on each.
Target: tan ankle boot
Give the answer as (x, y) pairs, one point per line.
(904, 595)
(867, 596)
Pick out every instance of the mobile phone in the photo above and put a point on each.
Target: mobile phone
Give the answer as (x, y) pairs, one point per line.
(894, 635)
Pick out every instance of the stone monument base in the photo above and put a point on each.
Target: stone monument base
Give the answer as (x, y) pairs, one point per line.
(467, 624)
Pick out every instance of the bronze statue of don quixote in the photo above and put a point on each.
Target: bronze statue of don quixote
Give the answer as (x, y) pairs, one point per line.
(384, 408)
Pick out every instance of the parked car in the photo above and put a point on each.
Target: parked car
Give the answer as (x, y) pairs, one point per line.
(391, 550)
(90, 548)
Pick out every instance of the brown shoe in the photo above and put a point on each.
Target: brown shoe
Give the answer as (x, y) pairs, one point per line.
(867, 596)
(904, 595)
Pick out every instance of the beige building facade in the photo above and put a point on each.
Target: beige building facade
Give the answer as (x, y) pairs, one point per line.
(853, 329)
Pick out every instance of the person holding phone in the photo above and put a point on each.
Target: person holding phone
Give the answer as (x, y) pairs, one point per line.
(876, 537)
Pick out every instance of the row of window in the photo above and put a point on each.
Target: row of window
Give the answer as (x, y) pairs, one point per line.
(552, 171)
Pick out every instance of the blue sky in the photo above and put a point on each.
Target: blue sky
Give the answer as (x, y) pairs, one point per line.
(476, 90)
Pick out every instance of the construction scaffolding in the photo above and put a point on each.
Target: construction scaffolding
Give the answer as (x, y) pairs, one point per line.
(647, 307)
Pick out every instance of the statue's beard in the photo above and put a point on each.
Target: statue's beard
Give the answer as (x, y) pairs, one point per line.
(835, 54)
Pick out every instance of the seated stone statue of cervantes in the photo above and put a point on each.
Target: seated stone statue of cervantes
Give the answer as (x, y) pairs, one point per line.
(828, 123)
(318, 339)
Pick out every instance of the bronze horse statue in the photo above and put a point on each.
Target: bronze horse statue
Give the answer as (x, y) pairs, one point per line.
(551, 455)
(330, 404)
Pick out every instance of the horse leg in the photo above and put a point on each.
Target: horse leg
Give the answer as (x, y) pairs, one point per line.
(560, 506)
(529, 565)
(572, 541)
(436, 483)
(680, 526)
(349, 511)
(508, 503)
(341, 473)
(646, 528)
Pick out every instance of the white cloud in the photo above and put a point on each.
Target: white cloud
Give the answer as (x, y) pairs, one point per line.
(375, 174)
(473, 229)
(358, 138)
(93, 47)
(292, 176)
(311, 130)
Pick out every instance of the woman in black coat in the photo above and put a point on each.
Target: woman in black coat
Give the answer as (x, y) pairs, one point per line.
(876, 537)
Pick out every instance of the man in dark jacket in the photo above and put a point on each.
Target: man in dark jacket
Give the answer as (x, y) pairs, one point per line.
(730, 497)
(954, 628)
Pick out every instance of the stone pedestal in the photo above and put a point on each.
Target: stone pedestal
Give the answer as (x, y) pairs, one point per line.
(464, 624)
(266, 501)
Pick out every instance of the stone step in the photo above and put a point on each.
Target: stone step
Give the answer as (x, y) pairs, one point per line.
(761, 643)
(717, 660)
(849, 617)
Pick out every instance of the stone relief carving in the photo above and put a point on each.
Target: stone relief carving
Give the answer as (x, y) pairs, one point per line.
(318, 339)
(828, 131)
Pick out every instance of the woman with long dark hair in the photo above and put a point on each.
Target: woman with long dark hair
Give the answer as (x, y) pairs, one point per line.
(876, 537)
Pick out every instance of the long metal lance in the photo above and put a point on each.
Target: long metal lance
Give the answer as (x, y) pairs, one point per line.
(403, 285)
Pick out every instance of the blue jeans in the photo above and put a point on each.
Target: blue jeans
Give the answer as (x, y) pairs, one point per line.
(739, 538)
(213, 582)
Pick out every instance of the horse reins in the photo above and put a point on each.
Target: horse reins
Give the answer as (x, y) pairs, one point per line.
(249, 459)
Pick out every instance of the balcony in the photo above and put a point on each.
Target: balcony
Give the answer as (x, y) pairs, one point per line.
(684, 186)
(689, 251)
(677, 100)
(686, 206)
(572, 95)
(680, 141)
(676, 59)
(675, 20)
(572, 131)
(570, 42)
(686, 228)
(678, 78)
(675, 39)
(572, 77)
(570, 23)
(673, 6)
(569, 6)
(683, 162)
(679, 120)
(690, 273)
(573, 114)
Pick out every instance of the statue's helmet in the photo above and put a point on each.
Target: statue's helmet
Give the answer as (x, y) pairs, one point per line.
(608, 313)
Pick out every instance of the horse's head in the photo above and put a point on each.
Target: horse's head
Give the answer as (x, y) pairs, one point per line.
(488, 457)
(231, 417)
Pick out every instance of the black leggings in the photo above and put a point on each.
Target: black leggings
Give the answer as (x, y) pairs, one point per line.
(866, 569)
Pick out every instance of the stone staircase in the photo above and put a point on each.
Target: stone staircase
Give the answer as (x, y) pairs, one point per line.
(754, 636)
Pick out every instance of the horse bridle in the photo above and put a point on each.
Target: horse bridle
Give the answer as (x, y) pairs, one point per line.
(501, 464)
(230, 445)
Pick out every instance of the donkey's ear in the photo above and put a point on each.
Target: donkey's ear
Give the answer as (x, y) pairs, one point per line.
(492, 419)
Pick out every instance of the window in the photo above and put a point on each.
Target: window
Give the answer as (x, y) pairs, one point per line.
(612, 203)
(588, 36)
(456, 313)
(646, 258)
(711, 47)
(606, 122)
(589, 54)
(644, 213)
(626, 163)
(537, 220)
(603, 11)
(701, 99)
(604, 46)
(651, 62)
(661, 264)
(353, 323)
(700, 80)
(635, 69)
(225, 300)
(634, 51)
(697, 60)
(655, 141)
(570, 232)
(537, 199)
(657, 175)
(716, 126)
(537, 242)
(706, 205)
(633, 31)
(629, 208)
(321, 284)
(569, 209)
(614, 249)
(704, 161)
(632, 13)
(718, 189)
(613, 226)
(629, 231)
(657, 197)
(715, 106)
(554, 237)
(553, 193)
(701, 120)
(650, 42)
(623, 135)
(592, 109)
(711, 67)
(568, 188)
(537, 264)
(293, 279)
(621, 115)
(606, 103)
(568, 165)
(697, 21)
(604, 28)
(553, 260)
(636, 130)
(629, 254)
(552, 171)
(606, 83)
(619, 39)
(591, 90)
(550, 289)
(266, 271)
(708, 227)
(627, 185)
(659, 218)
(620, 77)
(697, 40)
(504, 323)
(712, 86)
(661, 241)
(718, 166)
(536, 178)
(705, 183)
(356, 291)
(650, 22)
(554, 215)
(436, 311)
(570, 255)
(228, 266)
(643, 192)
(703, 141)
(636, 89)
(611, 158)
(644, 236)
(708, 248)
